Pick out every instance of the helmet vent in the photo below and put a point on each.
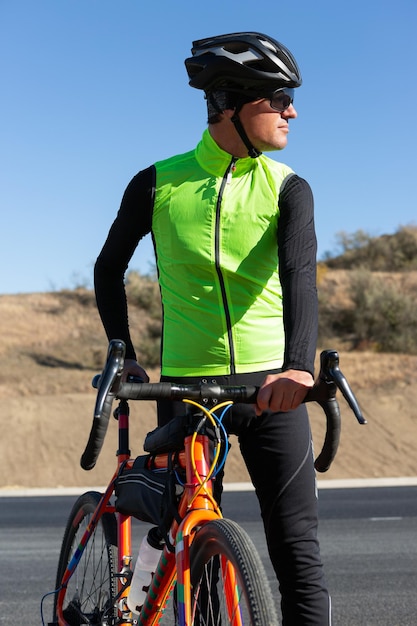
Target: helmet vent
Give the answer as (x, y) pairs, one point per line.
(269, 45)
(235, 47)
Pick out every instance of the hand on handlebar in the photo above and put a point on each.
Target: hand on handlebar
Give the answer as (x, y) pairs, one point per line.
(284, 391)
(281, 392)
(132, 368)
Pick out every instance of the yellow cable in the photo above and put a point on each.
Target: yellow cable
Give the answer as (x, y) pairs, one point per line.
(203, 483)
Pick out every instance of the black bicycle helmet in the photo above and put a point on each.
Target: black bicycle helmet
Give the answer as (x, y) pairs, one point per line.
(250, 64)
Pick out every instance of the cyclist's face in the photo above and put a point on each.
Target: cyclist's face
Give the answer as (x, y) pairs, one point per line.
(266, 128)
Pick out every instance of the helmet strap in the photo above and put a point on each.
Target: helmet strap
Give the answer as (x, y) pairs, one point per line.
(252, 151)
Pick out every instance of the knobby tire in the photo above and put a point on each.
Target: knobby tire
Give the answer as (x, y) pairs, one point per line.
(217, 542)
(89, 598)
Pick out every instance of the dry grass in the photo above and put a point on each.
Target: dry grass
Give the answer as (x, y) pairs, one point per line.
(53, 343)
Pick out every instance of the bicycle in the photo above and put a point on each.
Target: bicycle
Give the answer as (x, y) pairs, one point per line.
(94, 569)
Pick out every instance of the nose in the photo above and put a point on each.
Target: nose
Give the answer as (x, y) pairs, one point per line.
(289, 113)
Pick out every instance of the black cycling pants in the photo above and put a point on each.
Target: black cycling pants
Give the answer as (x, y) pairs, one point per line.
(277, 450)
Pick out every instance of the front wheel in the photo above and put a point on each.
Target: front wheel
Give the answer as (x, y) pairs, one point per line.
(229, 583)
(90, 592)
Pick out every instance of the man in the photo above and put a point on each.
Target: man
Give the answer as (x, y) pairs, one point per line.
(235, 247)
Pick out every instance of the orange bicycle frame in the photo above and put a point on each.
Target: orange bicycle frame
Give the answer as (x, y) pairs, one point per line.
(196, 507)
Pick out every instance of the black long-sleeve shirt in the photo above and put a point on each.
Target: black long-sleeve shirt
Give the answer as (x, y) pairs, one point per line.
(296, 245)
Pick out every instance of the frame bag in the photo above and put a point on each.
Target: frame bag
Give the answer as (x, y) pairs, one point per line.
(150, 495)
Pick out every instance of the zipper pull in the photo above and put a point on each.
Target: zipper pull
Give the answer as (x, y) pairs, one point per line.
(232, 169)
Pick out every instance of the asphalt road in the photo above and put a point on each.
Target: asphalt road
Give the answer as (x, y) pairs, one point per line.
(368, 538)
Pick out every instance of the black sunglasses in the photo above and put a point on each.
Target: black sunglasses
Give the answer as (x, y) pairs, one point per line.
(281, 99)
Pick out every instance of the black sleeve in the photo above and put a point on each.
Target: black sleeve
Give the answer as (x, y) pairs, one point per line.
(297, 250)
(133, 221)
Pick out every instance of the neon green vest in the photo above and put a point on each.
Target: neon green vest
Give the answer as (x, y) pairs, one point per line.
(215, 231)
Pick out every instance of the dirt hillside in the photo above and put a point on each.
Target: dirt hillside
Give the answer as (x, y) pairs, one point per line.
(52, 344)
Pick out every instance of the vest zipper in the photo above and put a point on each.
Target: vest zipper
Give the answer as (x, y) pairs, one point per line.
(226, 180)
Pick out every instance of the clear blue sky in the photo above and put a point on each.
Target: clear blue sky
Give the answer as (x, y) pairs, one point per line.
(95, 90)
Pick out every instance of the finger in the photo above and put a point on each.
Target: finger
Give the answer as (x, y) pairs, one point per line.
(263, 399)
(291, 399)
(140, 373)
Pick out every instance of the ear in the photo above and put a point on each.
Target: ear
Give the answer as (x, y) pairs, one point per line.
(228, 113)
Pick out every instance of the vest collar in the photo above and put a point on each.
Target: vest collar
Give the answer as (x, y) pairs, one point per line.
(216, 161)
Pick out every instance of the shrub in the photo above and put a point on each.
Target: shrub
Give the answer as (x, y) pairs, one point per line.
(391, 253)
(382, 316)
(143, 293)
(377, 316)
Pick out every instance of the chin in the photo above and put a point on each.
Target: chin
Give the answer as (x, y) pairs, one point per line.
(274, 148)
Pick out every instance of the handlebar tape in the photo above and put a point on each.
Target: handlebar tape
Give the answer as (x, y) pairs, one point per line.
(97, 435)
(332, 438)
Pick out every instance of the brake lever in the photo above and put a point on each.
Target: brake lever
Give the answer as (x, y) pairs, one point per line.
(331, 373)
(109, 380)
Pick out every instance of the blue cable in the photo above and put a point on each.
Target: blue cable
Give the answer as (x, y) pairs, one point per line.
(219, 421)
(50, 593)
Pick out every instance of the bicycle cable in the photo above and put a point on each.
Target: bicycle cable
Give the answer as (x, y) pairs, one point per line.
(49, 593)
(212, 471)
(225, 437)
